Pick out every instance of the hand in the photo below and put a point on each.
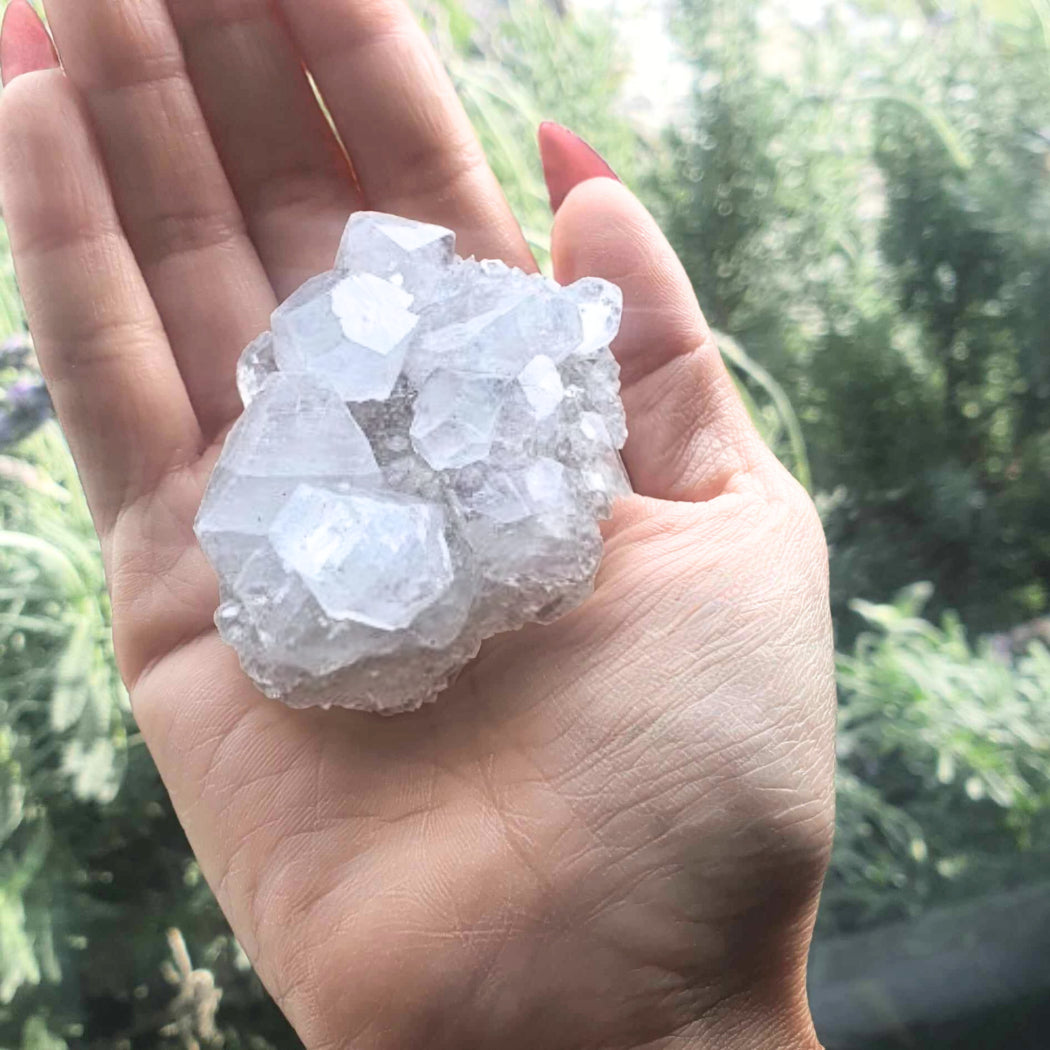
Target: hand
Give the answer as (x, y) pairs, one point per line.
(611, 832)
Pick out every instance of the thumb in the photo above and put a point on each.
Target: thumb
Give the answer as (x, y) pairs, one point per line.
(690, 435)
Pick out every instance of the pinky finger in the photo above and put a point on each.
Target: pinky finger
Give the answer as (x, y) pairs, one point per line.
(25, 46)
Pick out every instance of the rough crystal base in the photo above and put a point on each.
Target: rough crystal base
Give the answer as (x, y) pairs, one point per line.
(427, 448)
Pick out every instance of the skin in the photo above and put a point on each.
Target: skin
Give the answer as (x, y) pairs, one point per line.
(610, 832)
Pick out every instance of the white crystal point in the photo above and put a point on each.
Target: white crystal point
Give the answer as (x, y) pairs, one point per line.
(298, 428)
(505, 338)
(427, 448)
(601, 310)
(256, 365)
(410, 253)
(350, 332)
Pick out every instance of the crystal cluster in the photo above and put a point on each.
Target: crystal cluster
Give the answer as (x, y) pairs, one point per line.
(427, 447)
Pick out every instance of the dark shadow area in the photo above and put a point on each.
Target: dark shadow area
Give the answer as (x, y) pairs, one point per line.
(973, 976)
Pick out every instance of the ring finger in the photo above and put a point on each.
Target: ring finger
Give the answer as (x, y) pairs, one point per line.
(175, 204)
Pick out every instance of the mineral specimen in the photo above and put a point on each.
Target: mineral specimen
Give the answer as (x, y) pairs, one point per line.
(427, 447)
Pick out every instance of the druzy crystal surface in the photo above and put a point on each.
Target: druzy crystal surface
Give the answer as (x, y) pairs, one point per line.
(427, 448)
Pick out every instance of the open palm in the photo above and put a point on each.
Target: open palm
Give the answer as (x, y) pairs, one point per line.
(610, 832)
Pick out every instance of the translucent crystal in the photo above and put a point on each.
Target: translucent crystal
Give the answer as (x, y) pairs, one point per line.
(455, 418)
(541, 382)
(376, 561)
(427, 448)
(411, 254)
(349, 331)
(256, 365)
(296, 430)
(601, 307)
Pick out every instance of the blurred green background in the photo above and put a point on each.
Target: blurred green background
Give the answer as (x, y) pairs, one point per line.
(861, 194)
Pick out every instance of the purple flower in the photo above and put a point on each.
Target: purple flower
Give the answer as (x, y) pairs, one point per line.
(15, 351)
(26, 406)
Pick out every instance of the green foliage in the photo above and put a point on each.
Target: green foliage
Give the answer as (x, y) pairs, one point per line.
(944, 766)
(863, 208)
(62, 735)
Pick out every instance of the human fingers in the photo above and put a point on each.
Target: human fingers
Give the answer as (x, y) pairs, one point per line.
(101, 344)
(174, 202)
(690, 434)
(286, 167)
(568, 160)
(410, 142)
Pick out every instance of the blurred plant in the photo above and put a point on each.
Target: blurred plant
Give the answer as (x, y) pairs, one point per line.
(26, 405)
(62, 735)
(862, 204)
(944, 766)
(194, 1008)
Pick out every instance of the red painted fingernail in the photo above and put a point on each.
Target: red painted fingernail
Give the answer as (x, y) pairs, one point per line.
(25, 45)
(568, 161)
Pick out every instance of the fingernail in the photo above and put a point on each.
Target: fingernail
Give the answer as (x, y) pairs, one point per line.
(25, 45)
(568, 161)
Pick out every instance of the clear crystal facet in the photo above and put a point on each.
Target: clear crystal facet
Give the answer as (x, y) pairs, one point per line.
(541, 382)
(455, 418)
(256, 365)
(412, 254)
(427, 448)
(369, 560)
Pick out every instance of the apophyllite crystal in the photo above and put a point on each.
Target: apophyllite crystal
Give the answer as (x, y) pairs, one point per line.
(427, 447)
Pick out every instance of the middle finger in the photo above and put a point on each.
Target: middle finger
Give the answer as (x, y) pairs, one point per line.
(283, 161)
(410, 141)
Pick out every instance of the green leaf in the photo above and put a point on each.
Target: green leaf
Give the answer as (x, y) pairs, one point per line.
(945, 768)
(42, 934)
(37, 1036)
(18, 963)
(70, 693)
(94, 769)
(936, 120)
(460, 24)
(12, 799)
